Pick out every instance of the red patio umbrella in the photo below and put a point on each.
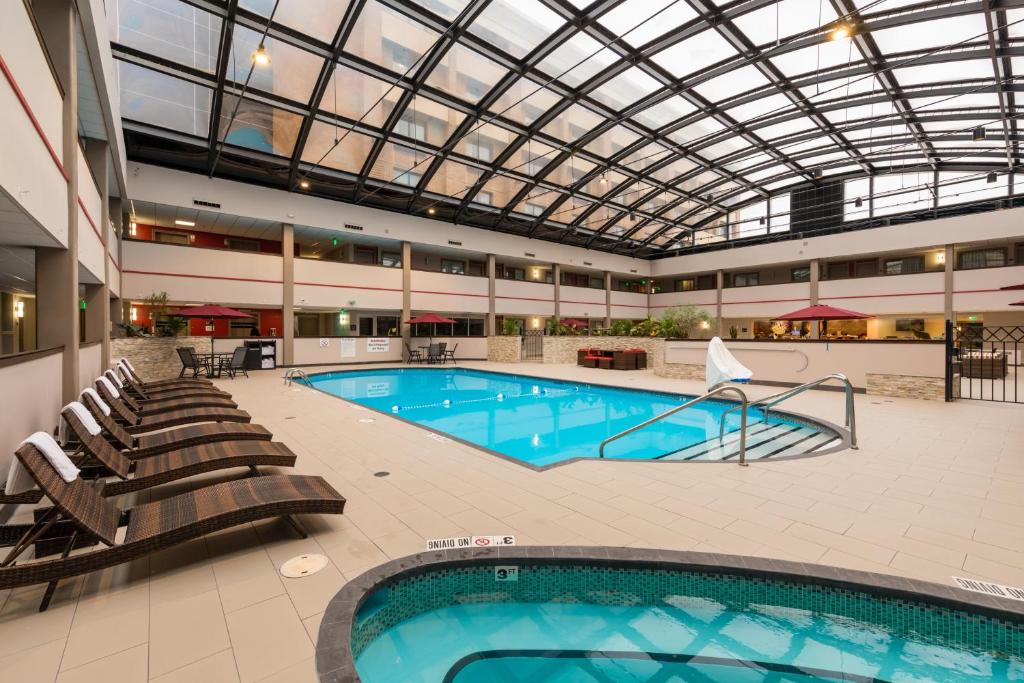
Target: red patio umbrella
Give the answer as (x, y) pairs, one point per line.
(1020, 286)
(574, 322)
(1017, 303)
(430, 318)
(209, 312)
(822, 312)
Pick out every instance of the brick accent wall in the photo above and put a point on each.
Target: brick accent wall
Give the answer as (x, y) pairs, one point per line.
(563, 349)
(907, 386)
(155, 357)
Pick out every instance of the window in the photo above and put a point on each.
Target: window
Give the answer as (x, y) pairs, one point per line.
(838, 271)
(454, 267)
(480, 149)
(903, 266)
(706, 282)
(510, 273)
(406, 177)
(387, 325)
(1018, 254)
(472, 88)
(365, 255)
(982, 258)
(685, 285)
(365, 327)
(533, 209)
(391, 259)
(597, 283)
(476, 327)
(401, 57)
(242, 245)
(800, 274)
(484, 197)
(168, 237)
(477, 268)
(868, 268)
(746, 279)
(411, 129)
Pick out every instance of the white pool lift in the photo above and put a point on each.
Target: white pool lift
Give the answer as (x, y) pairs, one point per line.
(722, 367)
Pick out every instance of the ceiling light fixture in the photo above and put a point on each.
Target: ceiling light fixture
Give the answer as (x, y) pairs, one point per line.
(632, 216)
(187, 224)
(431, 210)
(979, 134)
(817, 172)
(261, 57)
(604, 178)
(991, 178)
(841, 32)
(761, 220)
(304, 184)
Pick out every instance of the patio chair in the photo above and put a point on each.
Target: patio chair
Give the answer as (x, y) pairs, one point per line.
(135, 474)
(236, 363)
(90, 519)
(414, 355)
(441, 355)
(173, 439)
(449, 354)
(135, 423)
(433, 353)
(129, 372)
(191, 362)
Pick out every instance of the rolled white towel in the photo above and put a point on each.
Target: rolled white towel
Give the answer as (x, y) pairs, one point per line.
(19, 480)
(110, 386)
(98, 399)
(113, 378)
(83, 415)
(128, 363)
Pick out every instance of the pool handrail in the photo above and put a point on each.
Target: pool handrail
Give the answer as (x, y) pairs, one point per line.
(689, 404)
(769, 402)
(295, 373)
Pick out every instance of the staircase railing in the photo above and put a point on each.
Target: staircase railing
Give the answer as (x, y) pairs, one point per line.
(742, 407)
(770, 402)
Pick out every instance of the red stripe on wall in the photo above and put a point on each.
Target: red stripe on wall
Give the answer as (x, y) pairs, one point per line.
(88, 217)
(32, 117)
(878, 296)
(427, 291)
(374, 289)
(201, 277)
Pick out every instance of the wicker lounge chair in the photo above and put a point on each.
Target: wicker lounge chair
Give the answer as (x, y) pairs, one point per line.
(129, 371)
(136, 424)
(141, 473)
(88, 518)
(168, 392)
(145, 407)
(180, 437)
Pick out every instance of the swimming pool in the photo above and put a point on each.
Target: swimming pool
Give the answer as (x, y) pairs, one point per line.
(542, 422)
(603, 614)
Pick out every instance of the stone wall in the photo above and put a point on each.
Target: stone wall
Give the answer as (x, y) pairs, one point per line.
(155, 357)
(563, 349)
(681, 371)
(907, 386)
(504, 349)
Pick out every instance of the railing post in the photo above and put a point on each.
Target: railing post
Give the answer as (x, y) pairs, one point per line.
(743, 428)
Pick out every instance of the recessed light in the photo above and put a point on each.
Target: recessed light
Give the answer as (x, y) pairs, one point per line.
(431, 210)
(304, 184)
(187, 224)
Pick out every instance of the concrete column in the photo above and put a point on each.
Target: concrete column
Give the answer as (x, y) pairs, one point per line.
(491, 268)
(815, 277)
(288, 292)
(115, 303)
(720, 282)
(607, 299)
(556, 278)
(350, 252)
(97, 311)
(406, 293)
(57, 269)
(948, 298)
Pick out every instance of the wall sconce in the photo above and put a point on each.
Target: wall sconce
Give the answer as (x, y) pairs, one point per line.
(132, 229)
(134, 314)
(536, 273)
(535, 323)
(940, 257)
(191, 237)
(19, 309)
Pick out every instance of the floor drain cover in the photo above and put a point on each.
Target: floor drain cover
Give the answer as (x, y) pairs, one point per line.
(303, 565)
(381, 474)
(365, 420)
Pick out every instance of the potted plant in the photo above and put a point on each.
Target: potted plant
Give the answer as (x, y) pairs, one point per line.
(509, 327)
(679, 321)
(733, 332)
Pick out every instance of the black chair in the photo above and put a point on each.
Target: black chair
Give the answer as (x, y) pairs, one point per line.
(414, 355)
(191, 361)
(449, 354)
(433, 353)
(235, 363)
(441, 355)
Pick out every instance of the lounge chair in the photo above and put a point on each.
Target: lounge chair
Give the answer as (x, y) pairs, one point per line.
(179, 437)
(125, 380)
(141, 473)
(129, 371)
(88, 517)
(137, 424)
(153, 406)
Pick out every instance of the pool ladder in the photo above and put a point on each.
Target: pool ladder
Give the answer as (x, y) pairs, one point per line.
(295, 373)
(770, 402)
(689, 404)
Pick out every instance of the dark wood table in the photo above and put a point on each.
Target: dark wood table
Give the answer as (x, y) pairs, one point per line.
(214, 361)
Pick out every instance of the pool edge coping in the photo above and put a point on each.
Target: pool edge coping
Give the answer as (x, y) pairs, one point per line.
(335, 664)
(843, 434)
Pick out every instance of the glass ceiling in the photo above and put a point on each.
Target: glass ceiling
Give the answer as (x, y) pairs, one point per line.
(637, 125)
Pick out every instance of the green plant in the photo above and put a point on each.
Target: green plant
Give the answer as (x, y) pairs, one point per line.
(733, 331)
(509, 327)
(620, 328)
(648, 327)
(679, 321)
(172, 325)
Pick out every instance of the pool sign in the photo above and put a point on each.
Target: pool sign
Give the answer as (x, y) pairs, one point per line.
(457, 542)
(996, 589)
(506, 573)
(378, 345)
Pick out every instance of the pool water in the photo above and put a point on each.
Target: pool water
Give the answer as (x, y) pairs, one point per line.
(543, 421)
(576, 624)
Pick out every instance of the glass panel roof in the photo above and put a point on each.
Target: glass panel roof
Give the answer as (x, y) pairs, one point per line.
(430, 110)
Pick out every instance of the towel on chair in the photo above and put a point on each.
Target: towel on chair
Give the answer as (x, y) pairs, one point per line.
(128, 364)
(110, 386)
(83, 415)
(18, 478)
(722, 366)
(95, 395)
(114, 378)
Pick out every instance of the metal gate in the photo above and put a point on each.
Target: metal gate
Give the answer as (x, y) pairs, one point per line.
(984, 363)
(533, 345)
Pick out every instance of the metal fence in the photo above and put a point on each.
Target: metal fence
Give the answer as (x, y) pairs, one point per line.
(533, 345)
(984, 363)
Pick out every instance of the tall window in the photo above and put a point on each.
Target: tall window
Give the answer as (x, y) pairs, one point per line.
(903, 266)
(454, 267)
(746, 279)
(981, 258)
(800, 274)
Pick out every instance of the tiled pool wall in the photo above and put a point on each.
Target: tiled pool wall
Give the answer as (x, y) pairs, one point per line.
(617, 586)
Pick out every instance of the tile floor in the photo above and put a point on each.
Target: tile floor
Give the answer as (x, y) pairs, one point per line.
(934, 491)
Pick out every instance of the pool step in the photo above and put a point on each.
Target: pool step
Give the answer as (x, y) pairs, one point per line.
(763, 441)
